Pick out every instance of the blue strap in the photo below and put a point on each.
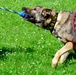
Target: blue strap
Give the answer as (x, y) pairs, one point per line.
(24, 15)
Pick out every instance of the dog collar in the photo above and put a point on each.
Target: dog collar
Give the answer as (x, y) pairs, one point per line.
(52, 24)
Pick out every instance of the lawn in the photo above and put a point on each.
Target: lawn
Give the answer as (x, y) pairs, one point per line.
(26, 49)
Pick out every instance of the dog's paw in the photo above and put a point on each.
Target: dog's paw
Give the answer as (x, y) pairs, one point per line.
(54, 62)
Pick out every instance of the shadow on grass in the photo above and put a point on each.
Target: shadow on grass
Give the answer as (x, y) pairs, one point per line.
(5, 50)
(72, 55)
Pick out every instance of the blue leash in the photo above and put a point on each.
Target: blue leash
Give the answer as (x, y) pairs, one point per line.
(22, 14)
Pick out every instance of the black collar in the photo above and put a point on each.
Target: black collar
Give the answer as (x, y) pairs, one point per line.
(52, 24)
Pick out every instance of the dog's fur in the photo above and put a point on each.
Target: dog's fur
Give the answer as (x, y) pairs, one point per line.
(62, 30)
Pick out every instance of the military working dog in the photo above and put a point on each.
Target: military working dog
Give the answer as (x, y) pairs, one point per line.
(59, 24)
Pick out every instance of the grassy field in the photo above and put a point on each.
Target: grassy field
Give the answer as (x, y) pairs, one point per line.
(26, 49)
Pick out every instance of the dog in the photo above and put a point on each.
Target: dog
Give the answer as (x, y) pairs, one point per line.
(59, 24)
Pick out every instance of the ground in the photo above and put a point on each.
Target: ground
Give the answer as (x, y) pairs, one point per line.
(26, 49)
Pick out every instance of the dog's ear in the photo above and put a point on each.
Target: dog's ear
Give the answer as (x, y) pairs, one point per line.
(46, 12)
(64, 16)
(53, 13)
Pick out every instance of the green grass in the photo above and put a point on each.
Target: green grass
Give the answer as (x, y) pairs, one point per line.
(26, 49)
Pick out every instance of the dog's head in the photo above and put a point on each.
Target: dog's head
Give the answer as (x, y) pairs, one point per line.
(40, 16)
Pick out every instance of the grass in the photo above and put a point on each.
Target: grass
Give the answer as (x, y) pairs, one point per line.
(26, 49)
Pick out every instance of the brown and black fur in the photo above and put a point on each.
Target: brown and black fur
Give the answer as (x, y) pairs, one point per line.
(59, 24)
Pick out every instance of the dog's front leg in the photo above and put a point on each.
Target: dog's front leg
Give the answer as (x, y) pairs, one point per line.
(68, 46)
(63, 57)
